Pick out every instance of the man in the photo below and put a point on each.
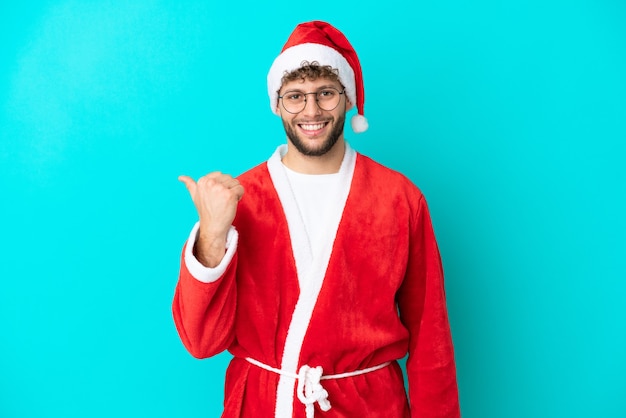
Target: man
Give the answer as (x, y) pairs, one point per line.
(326, 271)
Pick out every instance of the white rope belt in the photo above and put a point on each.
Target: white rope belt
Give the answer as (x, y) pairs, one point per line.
(310, 390)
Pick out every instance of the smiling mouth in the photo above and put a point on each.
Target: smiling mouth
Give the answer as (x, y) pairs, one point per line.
(312, 127)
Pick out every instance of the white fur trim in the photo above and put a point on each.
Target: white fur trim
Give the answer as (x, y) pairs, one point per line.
(208, 274)
(291, 59)
(312, 270)
(302, 251)
(359, 123)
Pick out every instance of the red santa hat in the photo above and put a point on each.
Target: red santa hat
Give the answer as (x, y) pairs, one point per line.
(320, 42)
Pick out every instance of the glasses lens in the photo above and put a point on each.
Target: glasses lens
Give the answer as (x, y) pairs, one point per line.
(294, 101)
(328, 99)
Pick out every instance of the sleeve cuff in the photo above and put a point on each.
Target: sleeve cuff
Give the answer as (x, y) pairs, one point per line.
(209, 274)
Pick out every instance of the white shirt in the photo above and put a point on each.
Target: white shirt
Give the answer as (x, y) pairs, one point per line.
(315, 194)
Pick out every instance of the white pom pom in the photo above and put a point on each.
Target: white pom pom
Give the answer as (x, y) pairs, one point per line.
(359, 123)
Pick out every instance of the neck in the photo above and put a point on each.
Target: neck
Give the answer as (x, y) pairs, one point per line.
(328, 163)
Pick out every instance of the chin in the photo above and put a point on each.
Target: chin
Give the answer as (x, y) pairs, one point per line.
(326, 143)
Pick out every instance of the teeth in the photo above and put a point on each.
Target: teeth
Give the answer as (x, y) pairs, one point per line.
(312, 127)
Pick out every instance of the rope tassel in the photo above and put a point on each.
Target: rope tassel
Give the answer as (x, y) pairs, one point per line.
(310, 390)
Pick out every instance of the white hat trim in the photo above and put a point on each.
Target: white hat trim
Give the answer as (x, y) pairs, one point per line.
(291, 59)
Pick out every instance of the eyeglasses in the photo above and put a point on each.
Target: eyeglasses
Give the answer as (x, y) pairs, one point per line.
(328, 98)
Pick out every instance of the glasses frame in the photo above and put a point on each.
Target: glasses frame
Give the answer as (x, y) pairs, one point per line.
(317, 101)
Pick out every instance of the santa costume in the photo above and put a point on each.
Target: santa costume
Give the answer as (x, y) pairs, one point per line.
(326, 282)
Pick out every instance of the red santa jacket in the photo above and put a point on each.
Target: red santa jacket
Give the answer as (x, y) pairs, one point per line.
(377, 296)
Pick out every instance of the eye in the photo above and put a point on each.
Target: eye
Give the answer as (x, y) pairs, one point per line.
(293, 96)
(326, 94)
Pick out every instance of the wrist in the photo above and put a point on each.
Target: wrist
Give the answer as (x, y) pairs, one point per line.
(209, 249)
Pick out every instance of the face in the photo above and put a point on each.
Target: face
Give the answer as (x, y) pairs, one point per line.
(313, 131)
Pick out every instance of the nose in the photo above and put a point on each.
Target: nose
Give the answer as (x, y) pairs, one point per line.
(310, 105)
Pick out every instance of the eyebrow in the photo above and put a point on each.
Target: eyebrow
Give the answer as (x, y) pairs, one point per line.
(326, 86)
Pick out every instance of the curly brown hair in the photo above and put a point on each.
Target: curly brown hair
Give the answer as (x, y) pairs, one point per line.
(311, 71)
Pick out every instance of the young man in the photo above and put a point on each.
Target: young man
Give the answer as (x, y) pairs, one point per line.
(326, 271)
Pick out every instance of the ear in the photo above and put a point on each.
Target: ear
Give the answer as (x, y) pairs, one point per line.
(349, 104)
(277, 106)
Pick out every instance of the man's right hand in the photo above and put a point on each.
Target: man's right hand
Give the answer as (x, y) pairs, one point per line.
(215, 196)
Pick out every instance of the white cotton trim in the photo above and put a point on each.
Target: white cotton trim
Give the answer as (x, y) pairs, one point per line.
(209, 274)
(311, 270)
(302, 251)
(291, 59)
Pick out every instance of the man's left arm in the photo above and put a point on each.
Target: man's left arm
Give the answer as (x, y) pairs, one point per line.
(430, 366)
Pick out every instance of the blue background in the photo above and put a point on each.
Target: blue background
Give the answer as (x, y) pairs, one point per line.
(510, 116)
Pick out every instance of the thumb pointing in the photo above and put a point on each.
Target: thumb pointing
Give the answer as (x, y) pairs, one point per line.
(190, 184)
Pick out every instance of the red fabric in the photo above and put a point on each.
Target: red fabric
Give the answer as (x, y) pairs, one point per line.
(385, 260)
